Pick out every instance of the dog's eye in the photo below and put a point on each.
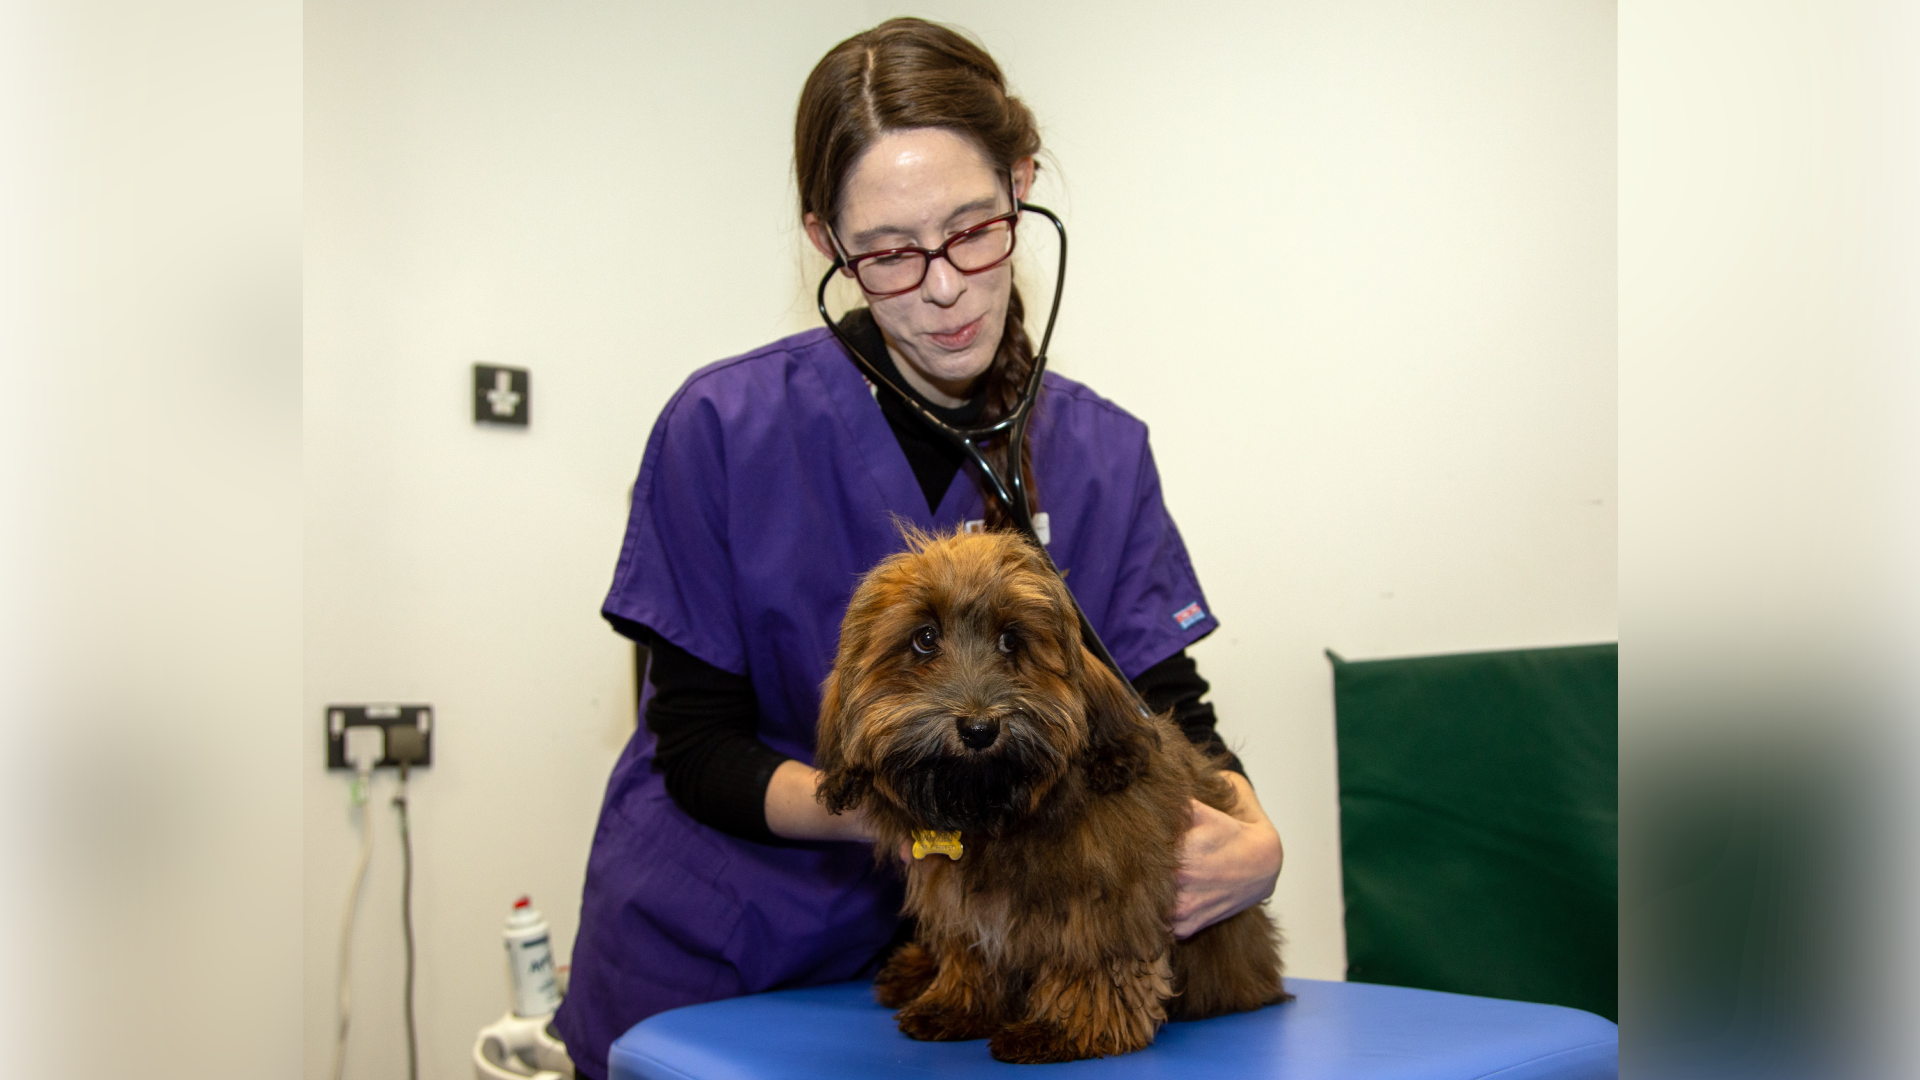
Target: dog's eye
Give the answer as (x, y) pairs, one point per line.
(925, 640)
(1009, 641)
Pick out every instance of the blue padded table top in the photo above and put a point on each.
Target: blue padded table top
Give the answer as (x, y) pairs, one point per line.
(1334, 1031)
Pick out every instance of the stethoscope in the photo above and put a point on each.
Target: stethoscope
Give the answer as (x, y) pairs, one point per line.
(1011, 490)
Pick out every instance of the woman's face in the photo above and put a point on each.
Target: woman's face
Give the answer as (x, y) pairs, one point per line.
(917, 188)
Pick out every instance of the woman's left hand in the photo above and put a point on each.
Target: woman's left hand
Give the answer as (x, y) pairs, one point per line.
(1229, 861)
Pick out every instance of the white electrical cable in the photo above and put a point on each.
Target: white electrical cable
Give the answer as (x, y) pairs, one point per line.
(361, 786)
(361, 753)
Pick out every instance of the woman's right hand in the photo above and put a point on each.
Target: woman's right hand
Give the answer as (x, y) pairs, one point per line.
(794, 812)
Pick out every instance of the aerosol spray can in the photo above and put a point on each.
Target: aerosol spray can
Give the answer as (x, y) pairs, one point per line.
(530, 961)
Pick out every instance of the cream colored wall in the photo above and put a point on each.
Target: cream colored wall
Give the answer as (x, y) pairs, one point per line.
(1352, 261)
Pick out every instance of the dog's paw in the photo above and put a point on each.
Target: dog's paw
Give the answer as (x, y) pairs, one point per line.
(1029, 1043)
(898, 994)
(907, 975)
(933, 1024)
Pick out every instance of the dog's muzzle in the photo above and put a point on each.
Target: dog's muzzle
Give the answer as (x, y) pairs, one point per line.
(971, 770)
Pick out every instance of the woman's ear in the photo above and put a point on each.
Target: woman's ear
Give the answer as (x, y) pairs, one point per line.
(1023, 171)
(842, 787)
(1120, 741)
(817, 232)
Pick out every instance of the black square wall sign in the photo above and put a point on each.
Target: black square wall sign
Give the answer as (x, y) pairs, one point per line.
(501, 395)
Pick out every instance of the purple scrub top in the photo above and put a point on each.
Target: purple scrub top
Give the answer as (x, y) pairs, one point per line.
(770, 485)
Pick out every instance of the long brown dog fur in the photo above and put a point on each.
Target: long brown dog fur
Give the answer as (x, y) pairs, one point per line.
(1051, 935)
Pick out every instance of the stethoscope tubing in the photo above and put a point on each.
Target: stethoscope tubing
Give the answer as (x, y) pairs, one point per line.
(1010, 490)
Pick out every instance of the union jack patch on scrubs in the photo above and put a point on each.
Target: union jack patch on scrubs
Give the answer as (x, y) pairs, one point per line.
(1189, 615)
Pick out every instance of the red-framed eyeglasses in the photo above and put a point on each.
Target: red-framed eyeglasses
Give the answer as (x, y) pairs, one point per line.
(894, 271)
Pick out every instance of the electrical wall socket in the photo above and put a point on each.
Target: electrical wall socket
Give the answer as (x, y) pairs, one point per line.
(341, 717)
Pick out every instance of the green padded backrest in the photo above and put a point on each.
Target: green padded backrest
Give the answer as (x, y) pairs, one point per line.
(1479, 820)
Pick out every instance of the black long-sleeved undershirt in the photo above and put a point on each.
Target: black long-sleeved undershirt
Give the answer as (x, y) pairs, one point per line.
(705, 720)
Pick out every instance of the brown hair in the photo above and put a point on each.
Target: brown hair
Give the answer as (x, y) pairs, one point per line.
(910, 73)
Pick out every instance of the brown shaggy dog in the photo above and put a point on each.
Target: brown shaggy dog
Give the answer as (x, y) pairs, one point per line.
(963, 701)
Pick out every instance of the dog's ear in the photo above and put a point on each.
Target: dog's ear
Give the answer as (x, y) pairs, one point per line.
(1120, 741)
(843, 786)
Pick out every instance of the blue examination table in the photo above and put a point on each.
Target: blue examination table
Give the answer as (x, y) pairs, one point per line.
(1333, 1031)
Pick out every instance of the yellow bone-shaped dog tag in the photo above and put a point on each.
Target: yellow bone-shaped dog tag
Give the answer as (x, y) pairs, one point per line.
(927, 842)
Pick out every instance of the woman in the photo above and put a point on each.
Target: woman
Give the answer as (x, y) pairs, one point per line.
(772, 481)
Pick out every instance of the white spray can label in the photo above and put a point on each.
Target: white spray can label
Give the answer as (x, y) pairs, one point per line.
(530, 962)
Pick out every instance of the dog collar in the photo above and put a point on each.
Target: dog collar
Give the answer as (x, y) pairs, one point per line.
(927, 842)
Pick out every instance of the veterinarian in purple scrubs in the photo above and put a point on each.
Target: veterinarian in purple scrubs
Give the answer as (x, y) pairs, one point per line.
(773, 481)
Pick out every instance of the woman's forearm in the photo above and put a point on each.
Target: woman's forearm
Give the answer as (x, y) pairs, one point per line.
(793, 812)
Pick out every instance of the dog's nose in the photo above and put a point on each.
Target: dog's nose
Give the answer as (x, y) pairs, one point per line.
(979, 732)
